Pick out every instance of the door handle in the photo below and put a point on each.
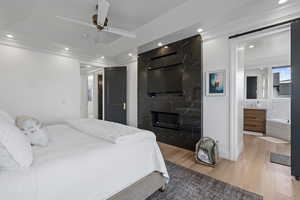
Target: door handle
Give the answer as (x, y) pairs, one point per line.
(124, 106)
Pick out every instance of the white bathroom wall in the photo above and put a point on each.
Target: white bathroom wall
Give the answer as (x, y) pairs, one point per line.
(40, 85)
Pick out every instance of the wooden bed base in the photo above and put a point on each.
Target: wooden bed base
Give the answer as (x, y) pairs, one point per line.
(143, 188)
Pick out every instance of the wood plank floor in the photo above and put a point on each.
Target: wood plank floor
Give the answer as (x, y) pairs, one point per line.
(252, 172)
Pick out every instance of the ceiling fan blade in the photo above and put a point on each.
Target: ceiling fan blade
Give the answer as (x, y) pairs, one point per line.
(119, 32)
(103, 7)
(76, 21)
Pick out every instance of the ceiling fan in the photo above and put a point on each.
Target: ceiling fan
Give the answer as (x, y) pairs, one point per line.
(100, 21)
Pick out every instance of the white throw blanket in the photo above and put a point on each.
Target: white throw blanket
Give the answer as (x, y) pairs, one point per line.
(109, 131)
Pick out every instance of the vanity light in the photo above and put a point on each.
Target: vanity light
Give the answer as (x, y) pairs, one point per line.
(160, 44)
(199, 30)
(9, 36)
(280, 2)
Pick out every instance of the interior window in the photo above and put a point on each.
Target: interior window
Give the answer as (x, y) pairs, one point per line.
(281, 82)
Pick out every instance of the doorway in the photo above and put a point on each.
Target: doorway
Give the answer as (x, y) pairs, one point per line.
(261, 96)
(100, 96)
(276, 85)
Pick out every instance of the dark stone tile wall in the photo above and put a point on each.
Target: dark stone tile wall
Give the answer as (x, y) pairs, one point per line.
(188, 105)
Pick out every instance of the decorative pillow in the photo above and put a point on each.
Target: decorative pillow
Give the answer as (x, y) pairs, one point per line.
(33, 129)
(4, 116)
(14, 147)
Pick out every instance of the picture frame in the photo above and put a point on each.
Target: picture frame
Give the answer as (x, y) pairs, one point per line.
(216, 83)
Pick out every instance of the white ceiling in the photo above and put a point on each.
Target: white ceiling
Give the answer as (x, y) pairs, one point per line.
(270, 50)
(32, 18)
(34, 23)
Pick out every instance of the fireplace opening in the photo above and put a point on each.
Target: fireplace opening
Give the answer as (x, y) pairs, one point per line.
(165, 120)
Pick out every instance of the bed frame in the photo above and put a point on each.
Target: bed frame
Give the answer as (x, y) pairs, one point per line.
(143, 188)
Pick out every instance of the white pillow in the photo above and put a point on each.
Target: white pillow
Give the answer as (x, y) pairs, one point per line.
(4, 116)
(7, 162)
(33, 129)
(16, 144)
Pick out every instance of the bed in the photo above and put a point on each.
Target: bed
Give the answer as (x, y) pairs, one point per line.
(78, 165)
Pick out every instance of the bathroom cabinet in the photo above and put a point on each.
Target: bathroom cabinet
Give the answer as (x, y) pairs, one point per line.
(255, 120)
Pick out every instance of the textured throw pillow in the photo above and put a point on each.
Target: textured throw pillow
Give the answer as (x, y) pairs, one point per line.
(14, 147)
(4, 116)
(33, 129)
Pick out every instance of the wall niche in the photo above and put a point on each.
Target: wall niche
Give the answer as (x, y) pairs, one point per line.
(170, 92)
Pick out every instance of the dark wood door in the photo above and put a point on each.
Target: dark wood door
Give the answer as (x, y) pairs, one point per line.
(100, 96)
(115, 94)
(295, 139)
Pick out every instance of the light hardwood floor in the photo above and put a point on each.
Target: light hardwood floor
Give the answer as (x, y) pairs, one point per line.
(252, 172)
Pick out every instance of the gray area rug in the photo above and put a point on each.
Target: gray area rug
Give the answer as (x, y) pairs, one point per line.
(280, 159)
(186, 184)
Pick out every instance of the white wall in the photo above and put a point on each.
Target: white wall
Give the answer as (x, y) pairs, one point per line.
(37, 84)
(132, 94)
(216, 109)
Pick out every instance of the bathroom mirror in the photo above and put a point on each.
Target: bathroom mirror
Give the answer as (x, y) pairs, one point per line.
(256, 83)
(251, 87)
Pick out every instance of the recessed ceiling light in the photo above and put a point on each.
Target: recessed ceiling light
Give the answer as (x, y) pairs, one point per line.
(199, 30)
(251, 46)
(166, 47)
(282, 2)
(67, 49)
(102, 57)
(130, 54)
(9, 36)
(160, 44)
(88, 66)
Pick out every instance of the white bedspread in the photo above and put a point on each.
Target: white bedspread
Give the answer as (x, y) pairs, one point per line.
(76, 166)
(110, 131)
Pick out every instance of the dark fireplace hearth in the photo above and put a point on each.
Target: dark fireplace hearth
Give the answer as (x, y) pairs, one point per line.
(165, 120)
(170, 92)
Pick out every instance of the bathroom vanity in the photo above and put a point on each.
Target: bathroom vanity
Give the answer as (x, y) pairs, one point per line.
(255, 120)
